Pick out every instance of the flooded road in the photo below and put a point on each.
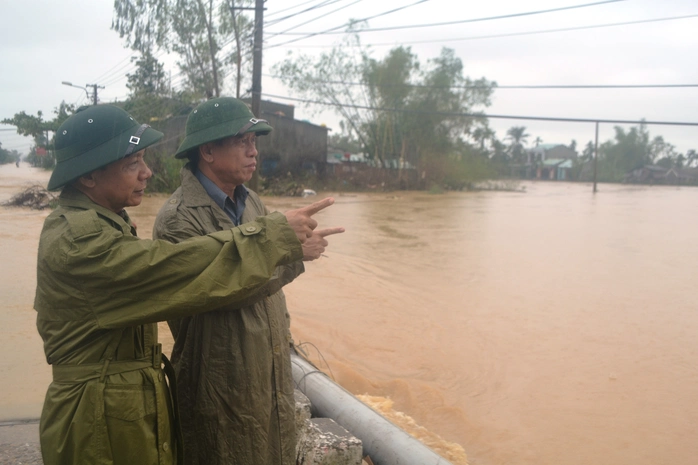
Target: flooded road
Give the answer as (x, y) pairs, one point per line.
(553, 326)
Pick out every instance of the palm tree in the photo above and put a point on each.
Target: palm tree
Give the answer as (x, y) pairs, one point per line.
(482, 135)
(589, 150)
(517, 136)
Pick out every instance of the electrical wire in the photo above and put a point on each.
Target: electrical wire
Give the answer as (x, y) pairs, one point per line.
(291, 8)
(515, 34)
(346, 24)
(273, 34)
(180, 77)
(108, 72)
(463, 21)
(498, 87)
(314, 7)
(489, 116)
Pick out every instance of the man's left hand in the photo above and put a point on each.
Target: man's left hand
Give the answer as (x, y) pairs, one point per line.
(315, 245)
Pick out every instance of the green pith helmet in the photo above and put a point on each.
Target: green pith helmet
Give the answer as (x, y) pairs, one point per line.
(95, 137)
(219, 118)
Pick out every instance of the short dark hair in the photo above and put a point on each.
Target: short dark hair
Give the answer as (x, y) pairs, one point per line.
(193, 155)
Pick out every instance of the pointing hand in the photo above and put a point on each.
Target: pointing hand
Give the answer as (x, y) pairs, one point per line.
(301, 220)
(316, 244)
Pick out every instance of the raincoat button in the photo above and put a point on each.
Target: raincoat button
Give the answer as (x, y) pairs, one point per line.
(165, 446)
(251, 229)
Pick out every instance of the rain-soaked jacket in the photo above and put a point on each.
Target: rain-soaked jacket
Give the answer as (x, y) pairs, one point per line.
(100, 291)
(233, 364)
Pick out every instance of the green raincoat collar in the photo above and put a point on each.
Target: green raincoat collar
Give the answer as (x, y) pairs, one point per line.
(74, 198)
(194, 196)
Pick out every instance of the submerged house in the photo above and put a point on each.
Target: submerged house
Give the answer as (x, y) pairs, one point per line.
(554, 169)
(655, 174)
(550, 162)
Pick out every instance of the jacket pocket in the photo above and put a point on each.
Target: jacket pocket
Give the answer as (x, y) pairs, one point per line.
(131, 420)
(128, 402)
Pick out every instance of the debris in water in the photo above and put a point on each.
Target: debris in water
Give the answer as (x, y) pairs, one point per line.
(35, 197)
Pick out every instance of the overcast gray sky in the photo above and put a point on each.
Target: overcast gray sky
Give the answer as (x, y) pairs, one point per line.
(45, 42)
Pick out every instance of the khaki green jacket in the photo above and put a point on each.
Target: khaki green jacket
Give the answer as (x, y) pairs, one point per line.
(233, 364)
(100, 290)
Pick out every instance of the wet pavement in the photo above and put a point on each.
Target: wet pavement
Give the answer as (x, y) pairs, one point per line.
(19, 443)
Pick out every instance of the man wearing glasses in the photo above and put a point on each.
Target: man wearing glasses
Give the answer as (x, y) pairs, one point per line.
(233, 364)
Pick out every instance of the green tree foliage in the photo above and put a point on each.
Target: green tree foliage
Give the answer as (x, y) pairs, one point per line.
(150, 100)
(404, 113)
(330, 78)
(573, 146)
(388, 86)
(8, 156)
(517, 137)
(149, 77)
(629, 150)
(344, 141)
(635, 148)
(484, 138)
(239, 28)
(588, 152)
(39, 129)
(196, 30)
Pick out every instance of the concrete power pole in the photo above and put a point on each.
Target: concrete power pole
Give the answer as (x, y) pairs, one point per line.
(257, 76)
(94, 92)
(94, 87)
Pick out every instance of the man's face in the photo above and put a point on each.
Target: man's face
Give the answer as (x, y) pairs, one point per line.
(121, 184)
(234, 159)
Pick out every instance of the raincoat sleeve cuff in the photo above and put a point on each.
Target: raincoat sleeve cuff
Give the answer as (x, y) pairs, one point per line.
(288, 236)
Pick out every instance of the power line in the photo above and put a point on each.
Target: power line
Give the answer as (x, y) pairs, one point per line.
(514, 34)
(292, 7)
(131, 66)
(490, 116)
(602, 86)
(497, 87)
(272, 34)
(344, 25)
(448, 23)
(314, 7)
(105, 75)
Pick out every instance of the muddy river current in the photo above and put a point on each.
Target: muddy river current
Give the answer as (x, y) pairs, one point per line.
(553, 326)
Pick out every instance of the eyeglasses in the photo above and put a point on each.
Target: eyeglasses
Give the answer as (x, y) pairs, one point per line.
(248, 140)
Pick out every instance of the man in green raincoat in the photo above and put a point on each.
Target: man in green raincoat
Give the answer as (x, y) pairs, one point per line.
(100, 291)
(233, 364)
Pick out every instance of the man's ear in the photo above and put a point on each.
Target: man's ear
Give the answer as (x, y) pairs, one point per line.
(206, 152)
(87, 181)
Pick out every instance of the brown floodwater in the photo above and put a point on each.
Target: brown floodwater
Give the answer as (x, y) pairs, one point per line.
(552, 326)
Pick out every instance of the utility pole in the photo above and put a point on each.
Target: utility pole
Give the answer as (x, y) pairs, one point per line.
(596, 154)
(94, 87)
(94, 93)
(257, 76)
